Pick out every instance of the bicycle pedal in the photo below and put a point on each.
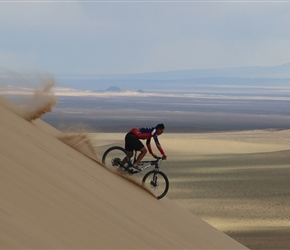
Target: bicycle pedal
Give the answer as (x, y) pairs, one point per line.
(133, 170)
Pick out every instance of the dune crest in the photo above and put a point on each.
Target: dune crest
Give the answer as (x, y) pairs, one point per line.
(41, 102)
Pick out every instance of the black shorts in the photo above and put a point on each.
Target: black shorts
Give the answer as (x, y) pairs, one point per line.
(132, 142)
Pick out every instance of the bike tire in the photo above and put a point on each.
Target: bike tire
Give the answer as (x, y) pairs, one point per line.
(113, 153)
(162, 186)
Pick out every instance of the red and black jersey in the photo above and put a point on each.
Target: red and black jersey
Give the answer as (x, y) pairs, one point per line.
(148, 133)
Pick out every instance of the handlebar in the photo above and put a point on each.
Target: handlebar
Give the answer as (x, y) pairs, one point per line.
(159, 157)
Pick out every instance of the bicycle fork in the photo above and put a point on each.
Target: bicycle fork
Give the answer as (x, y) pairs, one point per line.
(154, 183)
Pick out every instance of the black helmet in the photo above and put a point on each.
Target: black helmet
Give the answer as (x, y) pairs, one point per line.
(160, 126)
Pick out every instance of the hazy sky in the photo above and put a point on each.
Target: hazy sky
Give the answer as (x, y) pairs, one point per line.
(63, 37)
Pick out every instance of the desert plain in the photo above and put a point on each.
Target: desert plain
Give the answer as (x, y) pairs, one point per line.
(236, 181)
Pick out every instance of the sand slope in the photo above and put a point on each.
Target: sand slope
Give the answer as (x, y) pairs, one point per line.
(52, 196)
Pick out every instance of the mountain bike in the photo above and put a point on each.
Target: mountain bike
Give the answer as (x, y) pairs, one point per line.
(117, 158)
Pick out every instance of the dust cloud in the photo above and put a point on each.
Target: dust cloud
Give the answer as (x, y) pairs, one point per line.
(80, 142)
(33, 92)
(41, 101)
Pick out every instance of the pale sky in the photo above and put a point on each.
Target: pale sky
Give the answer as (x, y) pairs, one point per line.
(106, 37)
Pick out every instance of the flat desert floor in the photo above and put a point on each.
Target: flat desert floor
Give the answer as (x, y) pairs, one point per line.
(236, 181)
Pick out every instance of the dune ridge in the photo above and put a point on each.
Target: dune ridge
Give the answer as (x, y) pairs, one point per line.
(53, 196)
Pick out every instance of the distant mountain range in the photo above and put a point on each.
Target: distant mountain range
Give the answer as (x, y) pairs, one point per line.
(177, 79)
(280, 71)
(182, 79)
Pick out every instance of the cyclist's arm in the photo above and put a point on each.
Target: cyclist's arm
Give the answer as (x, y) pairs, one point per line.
(149, 146)
(158, 145)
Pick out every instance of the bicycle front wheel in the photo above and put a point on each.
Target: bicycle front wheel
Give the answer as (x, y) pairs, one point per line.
(158, 182)
(115, 157)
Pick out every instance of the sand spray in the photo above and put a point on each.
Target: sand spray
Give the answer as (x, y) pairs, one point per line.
(41, 102)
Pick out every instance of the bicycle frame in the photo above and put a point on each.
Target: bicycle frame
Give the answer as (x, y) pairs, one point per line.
(147, 164)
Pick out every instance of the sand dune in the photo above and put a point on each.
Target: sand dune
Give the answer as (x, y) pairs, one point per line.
(53, 196)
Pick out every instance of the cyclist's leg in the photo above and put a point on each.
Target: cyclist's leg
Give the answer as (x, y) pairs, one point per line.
(143, 152)
(130, 141)
(133, 143)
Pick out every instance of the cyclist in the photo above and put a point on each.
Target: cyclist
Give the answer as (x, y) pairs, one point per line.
(132, 142)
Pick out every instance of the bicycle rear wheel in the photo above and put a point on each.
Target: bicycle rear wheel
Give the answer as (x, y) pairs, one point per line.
(115, 157)
(157, 181)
